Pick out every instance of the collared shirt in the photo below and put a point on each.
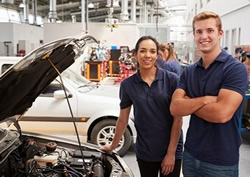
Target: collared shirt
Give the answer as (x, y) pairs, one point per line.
(153, 120)
(216, 143)
(171, 65)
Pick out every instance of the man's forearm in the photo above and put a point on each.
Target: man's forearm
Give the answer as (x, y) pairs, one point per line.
(222, 109)
(215, 113)
(186, 106)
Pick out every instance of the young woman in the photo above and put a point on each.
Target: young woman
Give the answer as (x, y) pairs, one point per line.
(167, 58)
(149, 91)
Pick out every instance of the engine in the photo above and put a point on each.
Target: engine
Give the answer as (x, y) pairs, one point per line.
(33, 159)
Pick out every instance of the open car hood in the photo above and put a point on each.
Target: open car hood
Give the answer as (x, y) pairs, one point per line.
(21, 84)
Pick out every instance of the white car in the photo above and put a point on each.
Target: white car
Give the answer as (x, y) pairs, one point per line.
(94, 108)
(35, 154)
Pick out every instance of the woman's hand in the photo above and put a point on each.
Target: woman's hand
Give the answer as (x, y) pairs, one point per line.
(167, 165)
(107, 148)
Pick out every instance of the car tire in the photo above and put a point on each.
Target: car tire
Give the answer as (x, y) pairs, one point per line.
(103, 134)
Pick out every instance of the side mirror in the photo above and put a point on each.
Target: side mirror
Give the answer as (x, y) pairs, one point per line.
(59, 94)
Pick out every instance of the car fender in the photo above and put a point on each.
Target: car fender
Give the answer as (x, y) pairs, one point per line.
(109, 114)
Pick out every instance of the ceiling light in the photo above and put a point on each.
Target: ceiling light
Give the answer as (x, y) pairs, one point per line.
(91, 5)
(21, 5)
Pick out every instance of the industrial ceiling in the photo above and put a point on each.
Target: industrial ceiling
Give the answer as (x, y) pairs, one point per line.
(98, 11)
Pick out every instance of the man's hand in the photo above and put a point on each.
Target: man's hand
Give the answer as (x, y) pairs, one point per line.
(183, 105)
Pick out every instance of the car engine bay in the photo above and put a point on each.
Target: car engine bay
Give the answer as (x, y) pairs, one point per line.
(25, 154)
(32, 156)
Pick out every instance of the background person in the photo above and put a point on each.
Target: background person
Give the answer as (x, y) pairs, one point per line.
(246, 103)
(247, 63)
(149, 90)
(167, 58)
(212, 91)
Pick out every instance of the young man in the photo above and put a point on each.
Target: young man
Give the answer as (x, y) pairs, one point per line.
(211, 91)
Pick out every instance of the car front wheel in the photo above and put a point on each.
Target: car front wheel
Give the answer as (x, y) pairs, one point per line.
(104, 132)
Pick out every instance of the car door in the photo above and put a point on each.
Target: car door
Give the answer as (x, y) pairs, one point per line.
(50, 115)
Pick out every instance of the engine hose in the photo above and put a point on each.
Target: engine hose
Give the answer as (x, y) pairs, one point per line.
(98, 169)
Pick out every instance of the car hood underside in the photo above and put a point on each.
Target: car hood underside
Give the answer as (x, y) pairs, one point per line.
(23, 82)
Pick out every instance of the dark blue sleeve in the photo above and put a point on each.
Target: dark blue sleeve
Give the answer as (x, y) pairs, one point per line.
(172, 66)
(235, 78)
(174, 80)
(182, 82)
(160, 62)
(125, 100)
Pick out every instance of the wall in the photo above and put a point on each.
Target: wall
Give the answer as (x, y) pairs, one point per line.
(30, 33)
(234, 15)
(178, 33)
(125, 35)
(240, 26)
(54, 31)
(6, 35)
(14, 32)
(9, 15)
(117, 37)
(220, 7)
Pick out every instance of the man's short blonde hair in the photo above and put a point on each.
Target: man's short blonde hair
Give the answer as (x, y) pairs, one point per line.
(206, 15)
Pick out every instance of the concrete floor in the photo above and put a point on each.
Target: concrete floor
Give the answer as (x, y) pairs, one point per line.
(244, 171)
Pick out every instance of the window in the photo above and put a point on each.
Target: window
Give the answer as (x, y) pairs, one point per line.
(13, 16)
(9, 15)
(227, 44)
(233, 40)
(49, 91)
(195, 9)
(222, 41)
(239, 36)
(5, 67)
(3, 15)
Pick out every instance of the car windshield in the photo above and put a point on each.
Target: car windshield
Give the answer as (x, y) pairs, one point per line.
(79, 82)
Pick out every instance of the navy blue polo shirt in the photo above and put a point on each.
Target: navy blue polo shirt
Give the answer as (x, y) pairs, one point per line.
(216, 143)
(173, 66)
(153, 120)
(170, 65)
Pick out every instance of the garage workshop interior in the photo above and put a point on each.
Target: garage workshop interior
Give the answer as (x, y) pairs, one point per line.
(79, 102)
